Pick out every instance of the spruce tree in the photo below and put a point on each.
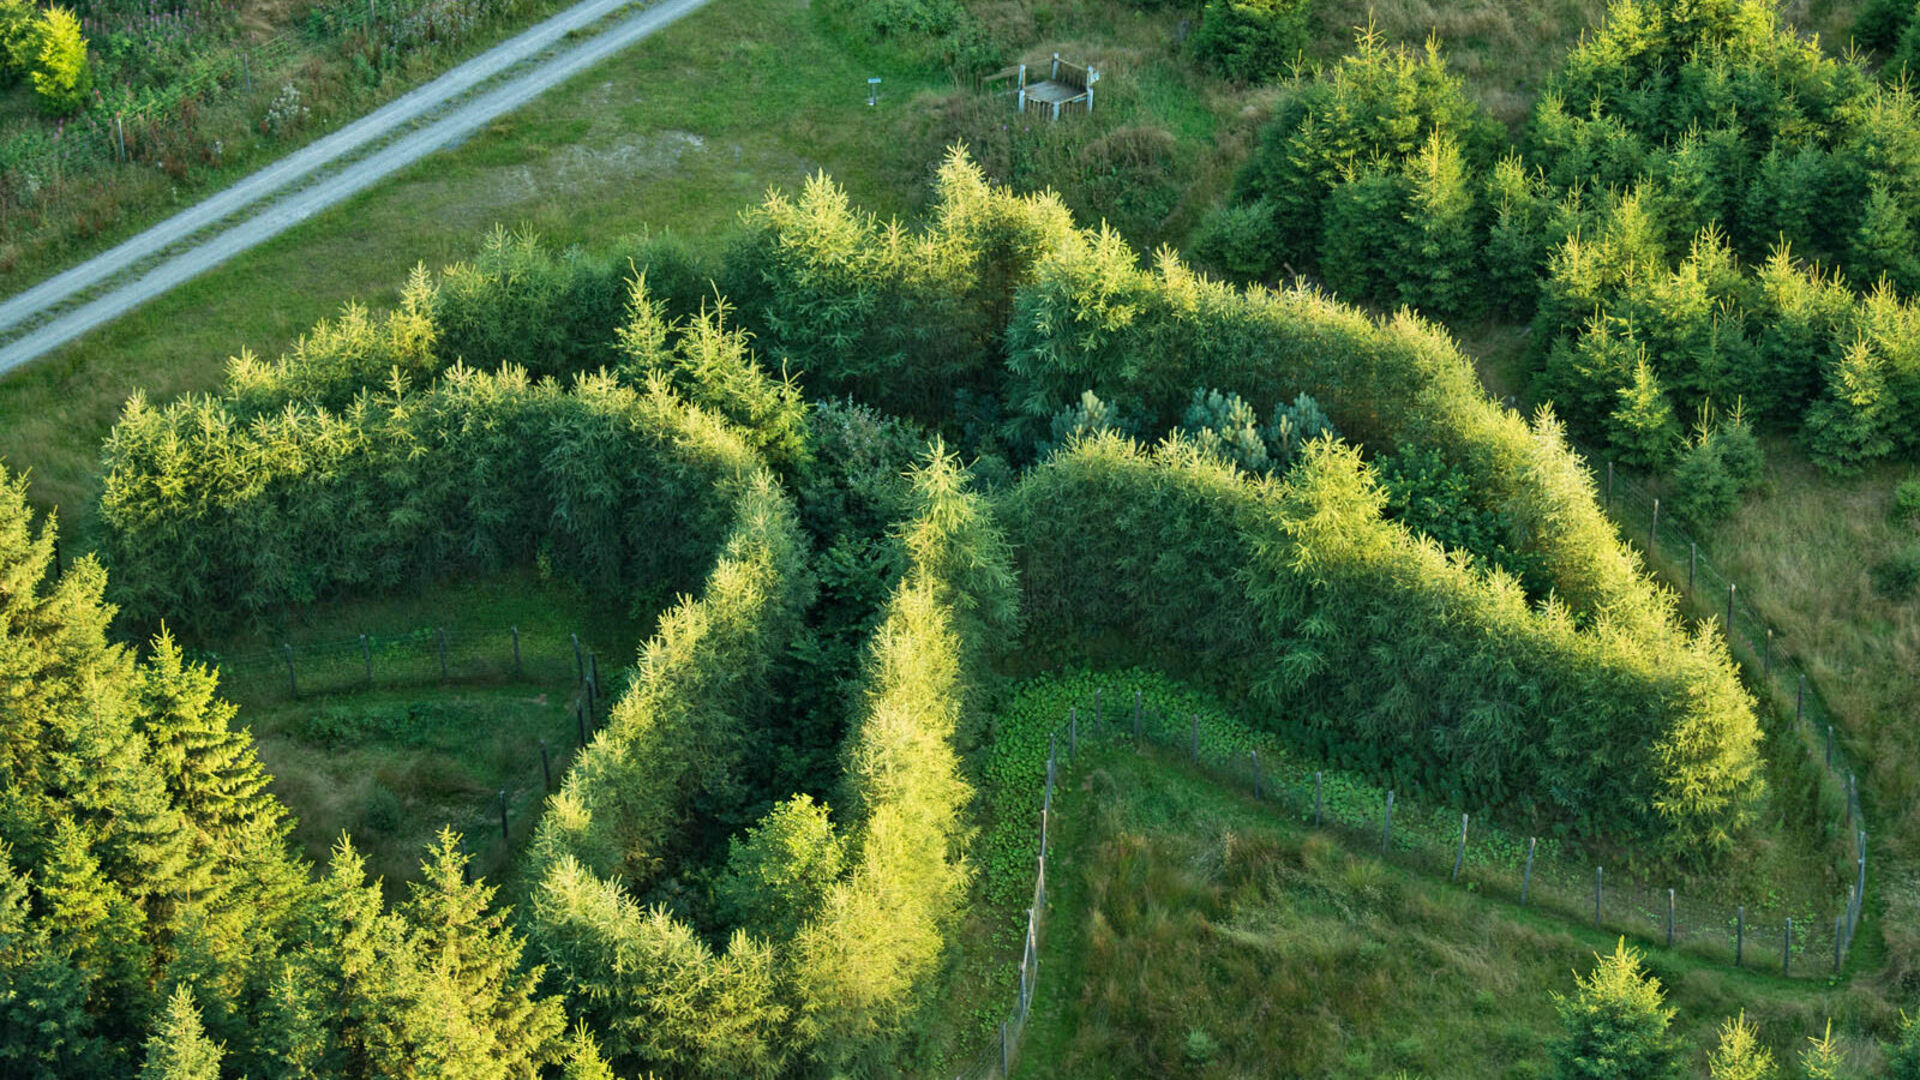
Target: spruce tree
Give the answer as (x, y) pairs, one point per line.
(62, 75)
(1903, 1057)
(210, 768)
(1884, 245)
(1852, 425)
(1739, 1055)
(1440, 238)
(45, 1029)
(179, 1048)
(1643, 430)
(580, 1057)
(1822, 1059)
(1616, 1027)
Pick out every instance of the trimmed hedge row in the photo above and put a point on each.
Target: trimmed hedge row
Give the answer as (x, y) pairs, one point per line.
(1377, 649)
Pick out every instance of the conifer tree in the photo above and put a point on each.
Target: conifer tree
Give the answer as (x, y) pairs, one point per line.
(1643, 430)
(211, 770)
(1822, 1059)
(1851, 426)
(1883, 245)
(1440, 240)
(1615, 1027)
(179, 1048)
(1739, 1055)
(1903, 1057)
(45, 1029)
(62, 75)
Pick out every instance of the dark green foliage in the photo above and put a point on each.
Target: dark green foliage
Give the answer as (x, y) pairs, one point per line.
(179, 1048)
(1642, 429)
(1435, 501)
(1228, 428)
(1898, 576)
(1375, 111)
(1852, 425)
(777, 877)
(1251, 41)
(1616, 1026)
(1903, 1058)
(1721, 463)
(1906, 501)
(1236, 240)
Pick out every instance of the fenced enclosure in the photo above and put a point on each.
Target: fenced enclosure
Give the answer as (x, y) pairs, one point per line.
(1435, 842)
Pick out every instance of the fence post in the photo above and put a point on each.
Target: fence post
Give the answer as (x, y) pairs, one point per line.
(1653, 531)
(503, 815)
(1316, 800)
(1136, 716)
(1609, 487)
(120, 129)
(1739, 935)
(1693, 563)
(1731, 589)
(1460, 857)
(1853, 795)
(1073, 733)
(293, 682)
(441, 631)
(1669, 918)
(1526, 880)
(1829, 746)
(593, 672)
(546, 769)
(1853, 905)
(1800, 700)
(589, 696)
(1196, 738)
(1599, 884)
(1006, 1058)
(580, 721)
(1386, 831)
(516, 650)
(1786, 951)
(579, 665)
(366, 657)
(1254, 755)
(1766, 660)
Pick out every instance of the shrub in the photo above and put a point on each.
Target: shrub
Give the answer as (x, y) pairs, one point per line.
(19, 39)
(1897, 576)
(1906, 501)
(62, 75)
(1251, 41)
(1236, 240)
(1616, 1026)
(1740, 1054)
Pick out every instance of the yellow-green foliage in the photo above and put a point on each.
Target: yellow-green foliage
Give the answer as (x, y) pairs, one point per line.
(62, 75)
(1352, 635)
(1616, 1026)
(901, 318)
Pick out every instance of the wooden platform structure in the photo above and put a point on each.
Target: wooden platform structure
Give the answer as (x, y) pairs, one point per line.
(1067, 84)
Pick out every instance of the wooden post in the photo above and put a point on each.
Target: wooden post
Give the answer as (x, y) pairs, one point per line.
(1196, 738)
(441, 632)
(1526, 880)
(546, 769)
(1731, 589)
(1254, 756)
(579, 665)
(1386, 830)
(516, 650)
(1316, 800)
(1786, 951)
(1609, 487)
(593, 672)
(1073, 733)
(1800, 700)
(1653, 531)
(120, 129)
(1693, 563)
(503, 815)
(293, 682)
(580, 721)
(1829, 746)
(1766, 660)
(1006, 1055)
(1599, 884)
(366, 657)
(1136, 716)
(1739, 935)
(1853, 796)
(1853, 906)
(589, 696)
(1669, 918)
(1460, 856)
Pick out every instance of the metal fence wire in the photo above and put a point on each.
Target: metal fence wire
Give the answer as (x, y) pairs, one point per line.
(1763, 936)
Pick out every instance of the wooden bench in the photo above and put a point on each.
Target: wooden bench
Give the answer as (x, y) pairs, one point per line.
(1068, 84)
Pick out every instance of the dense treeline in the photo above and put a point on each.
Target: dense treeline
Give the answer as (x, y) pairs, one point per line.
(838, 923)
(1704, 212)
(1278, 592)
(151, 909)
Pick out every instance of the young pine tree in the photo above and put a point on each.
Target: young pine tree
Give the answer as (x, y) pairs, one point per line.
(179, 1048)
(1822, 1059)
(1852, 425)
(1740, 1055)
(1903, 1057)
(1643, 430)
(1440, 239)
(1616, 1027)
(62, 77)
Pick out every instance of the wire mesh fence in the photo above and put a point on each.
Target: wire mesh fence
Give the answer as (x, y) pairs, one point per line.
(1774, 671)
(1436, 842)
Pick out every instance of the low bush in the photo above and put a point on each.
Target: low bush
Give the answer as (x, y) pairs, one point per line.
(1251, 41)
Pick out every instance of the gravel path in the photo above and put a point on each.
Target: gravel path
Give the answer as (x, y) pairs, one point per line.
(326, 171)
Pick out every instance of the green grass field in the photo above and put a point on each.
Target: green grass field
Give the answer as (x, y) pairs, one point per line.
(1193, 933)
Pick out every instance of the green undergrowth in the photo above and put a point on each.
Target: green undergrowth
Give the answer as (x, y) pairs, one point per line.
(391, 767)
(1192, 932)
